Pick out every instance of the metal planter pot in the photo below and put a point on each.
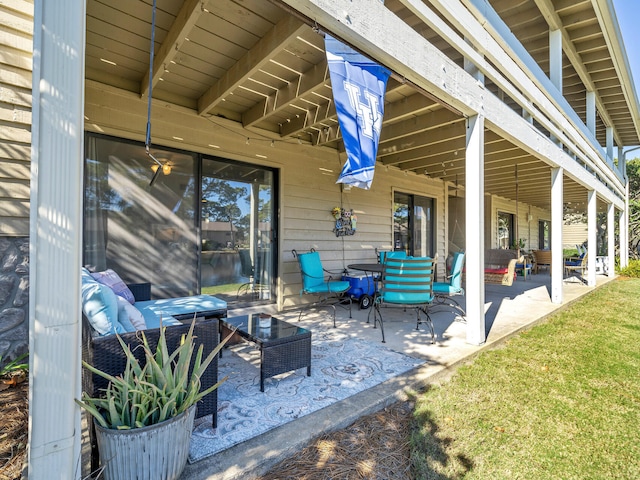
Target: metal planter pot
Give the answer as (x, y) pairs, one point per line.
(156, 452)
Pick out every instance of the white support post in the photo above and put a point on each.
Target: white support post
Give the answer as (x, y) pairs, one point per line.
(56, 239)
(621, 162)
(611, 240)
(474, 220)
(591, 111)
(555, 58)
(609, 140)
(592, 241)
(557, 202)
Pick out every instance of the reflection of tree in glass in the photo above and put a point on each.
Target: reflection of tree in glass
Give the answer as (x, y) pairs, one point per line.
(222, 204)
(264, 207)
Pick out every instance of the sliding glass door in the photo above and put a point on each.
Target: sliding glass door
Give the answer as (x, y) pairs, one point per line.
(414, 224)
(146, 233)
(238, 225)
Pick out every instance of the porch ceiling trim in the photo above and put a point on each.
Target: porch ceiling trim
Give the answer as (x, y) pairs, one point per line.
(574, 134)
(373, 29)
(606, 14)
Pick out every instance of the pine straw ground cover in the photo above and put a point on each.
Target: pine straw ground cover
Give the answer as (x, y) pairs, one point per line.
(14, 419)
(374, 447)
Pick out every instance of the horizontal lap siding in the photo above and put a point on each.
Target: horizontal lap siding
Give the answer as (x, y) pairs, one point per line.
(526, 229)
(308, 198)
(308, 191)
(16, 45)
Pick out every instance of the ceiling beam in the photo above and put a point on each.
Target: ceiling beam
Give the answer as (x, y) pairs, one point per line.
(264, 50)
(409, 106)
(183, 24)
(311, 79)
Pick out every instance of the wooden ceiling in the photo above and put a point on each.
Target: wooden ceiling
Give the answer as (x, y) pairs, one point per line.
(252, 62)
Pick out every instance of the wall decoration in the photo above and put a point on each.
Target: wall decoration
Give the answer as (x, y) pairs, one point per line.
(346, 221)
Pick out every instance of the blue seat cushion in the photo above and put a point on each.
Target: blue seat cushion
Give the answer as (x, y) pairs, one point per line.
(169, 308)
(573, 263)
(330, 287)
(443, 288)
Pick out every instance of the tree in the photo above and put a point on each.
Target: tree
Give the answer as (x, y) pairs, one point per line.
(633, 174)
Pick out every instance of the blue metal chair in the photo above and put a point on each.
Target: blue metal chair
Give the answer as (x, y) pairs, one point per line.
(329, 292)
(444, 291)
(406, 282)
(384, 254)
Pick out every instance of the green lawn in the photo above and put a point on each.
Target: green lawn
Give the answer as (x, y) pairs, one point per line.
(560, 401)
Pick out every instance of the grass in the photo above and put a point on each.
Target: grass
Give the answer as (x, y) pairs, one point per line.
(559, 401)
(227, 288)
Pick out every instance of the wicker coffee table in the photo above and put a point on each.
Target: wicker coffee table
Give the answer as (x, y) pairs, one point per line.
(283, 347)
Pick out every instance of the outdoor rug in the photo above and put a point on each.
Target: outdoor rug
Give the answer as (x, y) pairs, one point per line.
(340, 367)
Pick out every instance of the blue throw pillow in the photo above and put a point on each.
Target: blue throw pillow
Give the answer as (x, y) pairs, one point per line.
(100, 306)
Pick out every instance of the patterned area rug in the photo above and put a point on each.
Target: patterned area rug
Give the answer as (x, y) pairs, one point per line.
(340, 367)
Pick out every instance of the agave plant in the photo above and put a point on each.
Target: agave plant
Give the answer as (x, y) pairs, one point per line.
(159, 390)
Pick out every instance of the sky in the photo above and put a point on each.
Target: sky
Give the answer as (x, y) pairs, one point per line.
(628, 13)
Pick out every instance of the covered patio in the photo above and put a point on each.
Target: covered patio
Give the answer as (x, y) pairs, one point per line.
(509, 310)
(476, 128)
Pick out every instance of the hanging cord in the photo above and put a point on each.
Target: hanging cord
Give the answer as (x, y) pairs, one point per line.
(147, 143)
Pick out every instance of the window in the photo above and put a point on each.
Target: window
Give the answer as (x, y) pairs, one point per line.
(506, 235)
(414, 224)
(544, 234)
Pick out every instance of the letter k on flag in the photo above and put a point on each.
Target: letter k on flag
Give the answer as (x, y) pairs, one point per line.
(358, 86)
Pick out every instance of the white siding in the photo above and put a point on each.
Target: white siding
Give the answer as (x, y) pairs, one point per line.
(526, 229)
(308, 190)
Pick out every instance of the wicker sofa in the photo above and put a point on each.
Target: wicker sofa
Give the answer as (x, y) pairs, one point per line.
(105, 353)
(500, 265)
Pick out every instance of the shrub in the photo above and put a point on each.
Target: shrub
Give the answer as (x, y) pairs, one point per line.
(631, 270)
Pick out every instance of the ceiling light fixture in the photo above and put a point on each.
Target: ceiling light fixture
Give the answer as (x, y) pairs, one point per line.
(166, 169)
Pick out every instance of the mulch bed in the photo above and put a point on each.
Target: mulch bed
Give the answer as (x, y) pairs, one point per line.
(14, 422)
(374, 447)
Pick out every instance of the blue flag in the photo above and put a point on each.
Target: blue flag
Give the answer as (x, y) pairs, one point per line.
(358, 86)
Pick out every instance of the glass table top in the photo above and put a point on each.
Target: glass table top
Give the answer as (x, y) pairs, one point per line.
(264, 327)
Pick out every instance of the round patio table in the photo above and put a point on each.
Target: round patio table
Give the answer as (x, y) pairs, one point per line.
(370, 269)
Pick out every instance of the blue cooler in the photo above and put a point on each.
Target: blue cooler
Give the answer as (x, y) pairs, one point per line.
(362, 287)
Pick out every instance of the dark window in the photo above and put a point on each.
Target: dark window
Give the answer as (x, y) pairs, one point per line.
(506, 235)
(544, 234)
(414, 224)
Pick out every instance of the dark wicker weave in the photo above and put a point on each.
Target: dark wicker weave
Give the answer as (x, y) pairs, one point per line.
(277, 355)
(106, 354)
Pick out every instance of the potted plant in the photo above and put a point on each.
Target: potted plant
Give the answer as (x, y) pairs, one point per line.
(144, 420)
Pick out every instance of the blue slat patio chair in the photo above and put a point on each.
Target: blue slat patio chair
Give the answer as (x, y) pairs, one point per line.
(445, 291)
(578, 264)
(318, 281)
(408, 283)
(384, 254)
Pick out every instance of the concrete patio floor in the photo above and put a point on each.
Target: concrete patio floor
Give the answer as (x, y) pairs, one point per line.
(508, 311)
